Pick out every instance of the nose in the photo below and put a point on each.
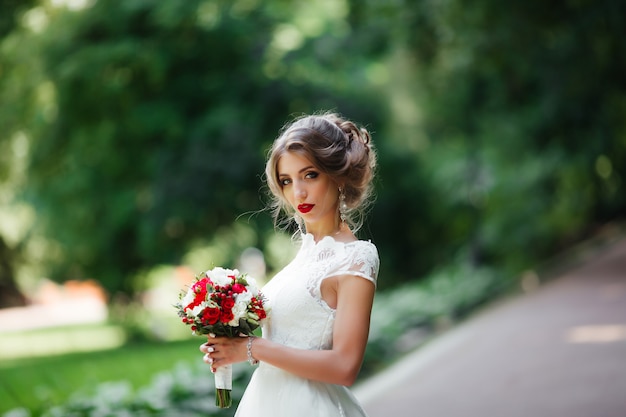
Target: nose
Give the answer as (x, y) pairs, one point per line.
(299, 191)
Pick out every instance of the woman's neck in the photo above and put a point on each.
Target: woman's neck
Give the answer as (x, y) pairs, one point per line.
(340, 232)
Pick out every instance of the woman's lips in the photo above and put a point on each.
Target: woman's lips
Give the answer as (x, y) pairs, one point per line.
(305, 208)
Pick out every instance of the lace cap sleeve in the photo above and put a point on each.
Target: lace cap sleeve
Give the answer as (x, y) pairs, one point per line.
(362, 260)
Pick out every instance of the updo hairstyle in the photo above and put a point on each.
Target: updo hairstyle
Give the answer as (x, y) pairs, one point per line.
(335, 146)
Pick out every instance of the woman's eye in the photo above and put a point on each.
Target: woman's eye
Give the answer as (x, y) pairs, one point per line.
(311, 174)
(285, 181)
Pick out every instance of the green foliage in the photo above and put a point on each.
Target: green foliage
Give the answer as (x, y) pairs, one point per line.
(40, 383)
(10, 13)
(161, 151)
(184, 391)
(145, 124)
(517, 138)
(158, 114)
(405, 317)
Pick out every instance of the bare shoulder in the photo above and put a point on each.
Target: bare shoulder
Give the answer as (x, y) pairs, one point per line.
(354, 286)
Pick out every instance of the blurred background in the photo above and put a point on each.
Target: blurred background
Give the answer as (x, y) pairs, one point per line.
(133, 137)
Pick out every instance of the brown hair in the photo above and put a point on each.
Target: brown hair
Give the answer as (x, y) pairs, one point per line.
(337, 147)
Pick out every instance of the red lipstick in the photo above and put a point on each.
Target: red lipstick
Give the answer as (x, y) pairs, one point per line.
(305, 208)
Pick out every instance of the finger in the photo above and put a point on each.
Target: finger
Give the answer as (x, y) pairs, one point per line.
(206, 347)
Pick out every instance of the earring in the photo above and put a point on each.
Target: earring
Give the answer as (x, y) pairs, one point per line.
(343, 207)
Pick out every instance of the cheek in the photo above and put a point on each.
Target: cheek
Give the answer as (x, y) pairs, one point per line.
(331, 199)
(287, 196)
(332, 194)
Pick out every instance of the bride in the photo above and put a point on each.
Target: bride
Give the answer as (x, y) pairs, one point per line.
(320, 172)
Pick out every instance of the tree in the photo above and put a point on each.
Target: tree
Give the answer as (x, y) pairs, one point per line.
(10, 15)
(525, 149)
(158, 114)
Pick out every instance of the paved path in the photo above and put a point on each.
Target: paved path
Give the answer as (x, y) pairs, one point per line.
(557, 352)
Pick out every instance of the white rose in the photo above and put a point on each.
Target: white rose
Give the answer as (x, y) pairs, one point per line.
(188, 298)
(198, 309)
(239, 311)
(220, 276)
(245, 297)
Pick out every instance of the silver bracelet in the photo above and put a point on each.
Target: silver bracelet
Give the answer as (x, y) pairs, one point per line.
(251, 360)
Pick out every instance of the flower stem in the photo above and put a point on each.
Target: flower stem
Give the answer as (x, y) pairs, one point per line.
(223, 398)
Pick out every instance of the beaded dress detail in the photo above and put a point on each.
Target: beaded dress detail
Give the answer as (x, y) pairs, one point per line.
(300, 318)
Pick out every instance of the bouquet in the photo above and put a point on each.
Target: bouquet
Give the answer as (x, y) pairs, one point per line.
(226, 303)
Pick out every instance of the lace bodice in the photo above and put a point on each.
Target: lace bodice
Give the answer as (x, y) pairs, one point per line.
(299, 316)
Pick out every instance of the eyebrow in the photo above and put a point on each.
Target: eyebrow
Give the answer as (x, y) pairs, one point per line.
(310, 167)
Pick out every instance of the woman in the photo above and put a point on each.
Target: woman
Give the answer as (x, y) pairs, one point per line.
(320, 172)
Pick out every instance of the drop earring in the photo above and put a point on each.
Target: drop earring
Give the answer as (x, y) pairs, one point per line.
(343, 207)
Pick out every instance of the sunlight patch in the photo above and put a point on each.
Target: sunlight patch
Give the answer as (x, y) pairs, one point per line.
(597, 334)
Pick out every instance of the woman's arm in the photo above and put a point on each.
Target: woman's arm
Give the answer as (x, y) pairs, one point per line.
(339, 365)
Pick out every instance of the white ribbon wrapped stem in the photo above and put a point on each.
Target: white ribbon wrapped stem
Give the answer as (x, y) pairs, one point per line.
(224, 377)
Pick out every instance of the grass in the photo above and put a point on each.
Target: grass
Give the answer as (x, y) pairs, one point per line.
(39, 382)
(59, 340)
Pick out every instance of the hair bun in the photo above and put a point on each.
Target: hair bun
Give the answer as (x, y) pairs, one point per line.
(353, 132)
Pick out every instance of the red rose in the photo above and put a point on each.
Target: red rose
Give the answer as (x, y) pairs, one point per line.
(200, 285)
(199, 298)
(211, 315)
(228, 303)
(226, 316)
(239, 288)
(200, 288)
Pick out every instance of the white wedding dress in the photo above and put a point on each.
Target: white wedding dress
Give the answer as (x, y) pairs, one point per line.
(301, 319)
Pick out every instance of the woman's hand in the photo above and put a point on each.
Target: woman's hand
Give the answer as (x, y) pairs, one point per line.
(221, 351)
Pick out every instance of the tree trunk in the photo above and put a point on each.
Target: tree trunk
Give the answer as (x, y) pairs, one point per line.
(10, 295)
